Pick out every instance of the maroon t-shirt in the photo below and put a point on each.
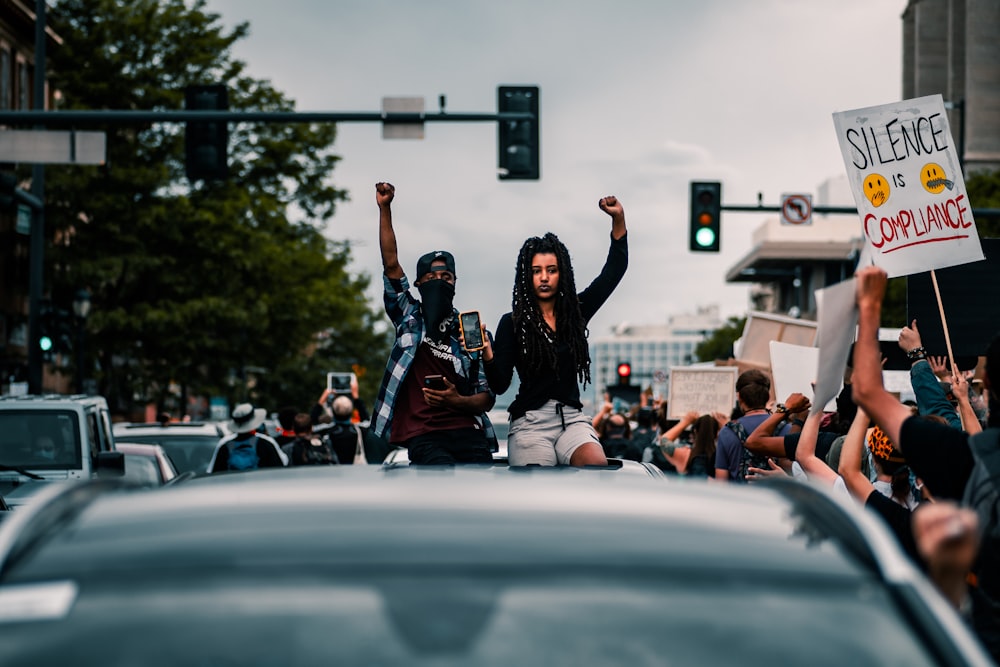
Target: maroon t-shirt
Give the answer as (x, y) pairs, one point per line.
(411, 414)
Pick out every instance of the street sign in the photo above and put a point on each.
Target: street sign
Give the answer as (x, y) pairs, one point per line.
(53, 146)
(397, 130)
(796, 209)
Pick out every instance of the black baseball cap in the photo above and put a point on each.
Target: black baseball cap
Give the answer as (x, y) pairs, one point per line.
(425, 262)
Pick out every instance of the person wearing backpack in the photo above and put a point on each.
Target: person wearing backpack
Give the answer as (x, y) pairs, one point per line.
(955, 465)
(343, 436)
(732, 459)
(307, 448)
(244, 448)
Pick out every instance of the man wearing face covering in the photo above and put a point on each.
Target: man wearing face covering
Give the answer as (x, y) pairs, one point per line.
(438, 426)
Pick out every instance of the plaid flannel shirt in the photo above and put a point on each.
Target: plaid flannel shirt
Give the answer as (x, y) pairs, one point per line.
(407, 318)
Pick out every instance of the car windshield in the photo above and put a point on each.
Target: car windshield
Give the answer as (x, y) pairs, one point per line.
(495, 617)
(40, 439)
(187, 452)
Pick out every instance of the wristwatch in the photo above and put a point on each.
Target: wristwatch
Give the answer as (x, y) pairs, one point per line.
(780, 408)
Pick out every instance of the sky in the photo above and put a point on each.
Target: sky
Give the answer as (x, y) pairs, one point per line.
(638, 99)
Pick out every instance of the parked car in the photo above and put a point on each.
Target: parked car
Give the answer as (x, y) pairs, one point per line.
(146, 464)
(190, 445)
(53, 437)
(477, 565)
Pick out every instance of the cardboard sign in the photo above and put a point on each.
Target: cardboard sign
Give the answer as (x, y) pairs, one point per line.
(704, 390)
(907, 182)
(761, 328)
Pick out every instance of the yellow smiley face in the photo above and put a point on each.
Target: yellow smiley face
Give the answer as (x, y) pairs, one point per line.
(933, 178)
(876, 189)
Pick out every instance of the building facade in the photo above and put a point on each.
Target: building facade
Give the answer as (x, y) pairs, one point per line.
(651, 350)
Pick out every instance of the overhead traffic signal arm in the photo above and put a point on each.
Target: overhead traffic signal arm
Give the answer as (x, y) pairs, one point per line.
(706, 207)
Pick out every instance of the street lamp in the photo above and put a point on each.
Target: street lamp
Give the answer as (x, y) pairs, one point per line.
(81, 309)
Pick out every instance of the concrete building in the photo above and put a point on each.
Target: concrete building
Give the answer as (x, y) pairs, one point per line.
(651, 349)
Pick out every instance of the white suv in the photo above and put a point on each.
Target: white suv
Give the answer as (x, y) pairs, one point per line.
(53, 438)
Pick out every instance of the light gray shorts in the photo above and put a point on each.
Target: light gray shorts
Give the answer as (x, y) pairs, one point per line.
(544, 437)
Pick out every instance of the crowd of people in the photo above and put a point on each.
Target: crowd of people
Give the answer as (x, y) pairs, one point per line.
(930, 469)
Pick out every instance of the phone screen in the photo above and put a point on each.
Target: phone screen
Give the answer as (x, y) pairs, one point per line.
(472, 331)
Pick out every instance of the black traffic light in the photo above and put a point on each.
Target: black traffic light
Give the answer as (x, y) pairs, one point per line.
(706, 206)
(206, 145)
(46, 332)
(517, 144)
(624, 373)
(8, 188)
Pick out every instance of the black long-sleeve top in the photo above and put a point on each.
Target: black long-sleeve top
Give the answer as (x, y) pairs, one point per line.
(536, 389)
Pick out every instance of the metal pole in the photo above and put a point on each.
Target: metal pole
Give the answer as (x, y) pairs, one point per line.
(36, 258)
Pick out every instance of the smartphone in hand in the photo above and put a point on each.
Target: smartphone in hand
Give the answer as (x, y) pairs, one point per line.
(435, 382)
(472, 330)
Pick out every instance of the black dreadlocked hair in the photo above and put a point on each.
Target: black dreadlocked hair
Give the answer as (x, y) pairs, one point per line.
(536, 340)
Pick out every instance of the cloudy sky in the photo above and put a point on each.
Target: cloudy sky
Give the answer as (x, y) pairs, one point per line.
(638, 98)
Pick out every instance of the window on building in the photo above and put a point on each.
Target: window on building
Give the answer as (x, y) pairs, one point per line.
(5, 77)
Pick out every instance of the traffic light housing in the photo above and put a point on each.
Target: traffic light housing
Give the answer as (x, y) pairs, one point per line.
(517, 145)
(706, 207)
(624, 373)
(206, 144)
(46, 332)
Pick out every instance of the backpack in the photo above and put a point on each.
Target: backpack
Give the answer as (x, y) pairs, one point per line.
(315, 452)
(346, 442)
(243, 454)
(748, 459)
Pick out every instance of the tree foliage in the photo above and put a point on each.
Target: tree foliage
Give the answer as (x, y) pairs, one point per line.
(193, 283)
(719, 345)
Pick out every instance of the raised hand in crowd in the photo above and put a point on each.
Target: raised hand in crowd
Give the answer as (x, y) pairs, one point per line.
(947, 539)
(960, 390)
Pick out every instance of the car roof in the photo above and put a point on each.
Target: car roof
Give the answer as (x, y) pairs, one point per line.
(304, 503)
(125, 429)
(231, 538)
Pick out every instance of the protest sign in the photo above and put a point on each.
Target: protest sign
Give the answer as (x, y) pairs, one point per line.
(761, 328)
(704, 390)
(906, 178)
(794, 369)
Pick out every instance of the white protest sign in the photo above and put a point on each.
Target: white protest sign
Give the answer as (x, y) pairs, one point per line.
(704, 390)
(794, 370)
(907, 182)
(837, 328)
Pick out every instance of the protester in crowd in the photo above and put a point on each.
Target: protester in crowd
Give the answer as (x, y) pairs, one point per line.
(947, 539)
(324, 406)
(953, 465)
(286, 426)
(931, 397)
(306, 448)
(545, 338)
(695, 458)
(615, 435)
(732, 459)
(244, 448)
(443, 425)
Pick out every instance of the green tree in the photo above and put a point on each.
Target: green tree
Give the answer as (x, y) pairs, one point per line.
(719, 345)
(193, 283)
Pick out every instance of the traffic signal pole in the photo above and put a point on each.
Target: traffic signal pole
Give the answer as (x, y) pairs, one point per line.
(38, 118)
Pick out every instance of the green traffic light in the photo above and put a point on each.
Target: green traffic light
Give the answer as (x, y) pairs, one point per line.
(45, 343)
(705, 237)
